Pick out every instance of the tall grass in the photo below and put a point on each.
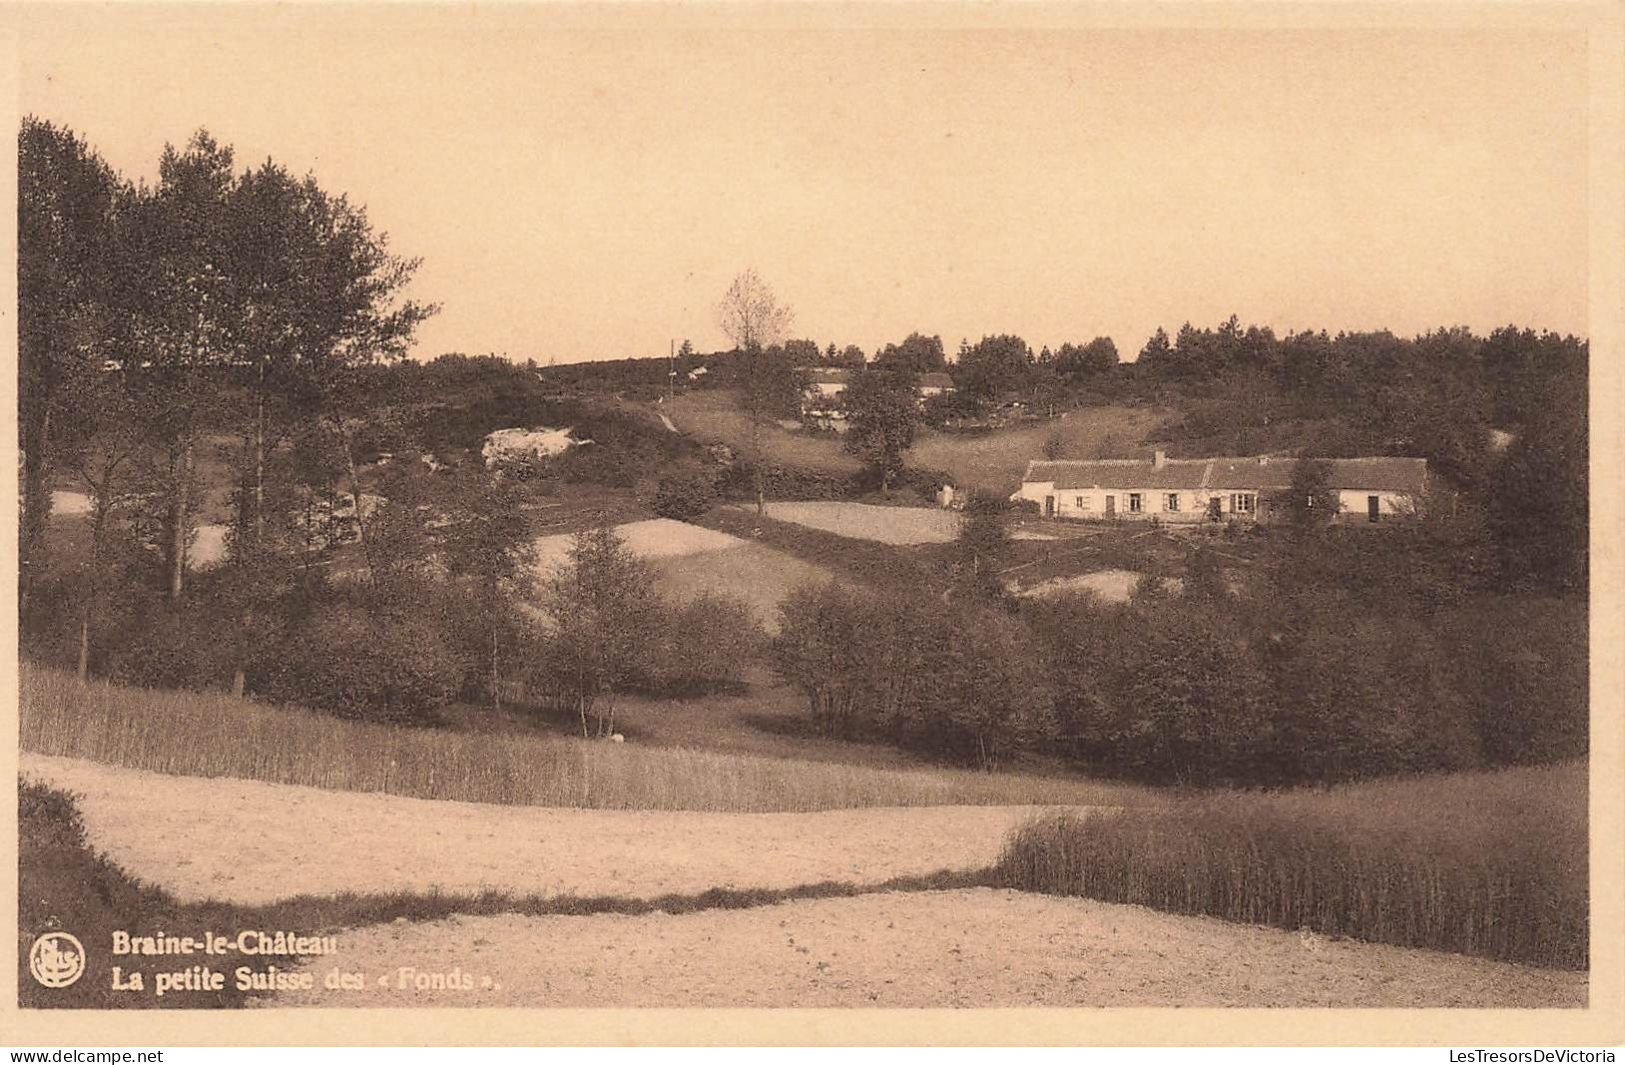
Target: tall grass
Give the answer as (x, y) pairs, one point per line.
(1490, 863)
(215, 735)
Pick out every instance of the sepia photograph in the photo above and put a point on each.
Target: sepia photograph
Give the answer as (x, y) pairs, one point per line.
(767, 507)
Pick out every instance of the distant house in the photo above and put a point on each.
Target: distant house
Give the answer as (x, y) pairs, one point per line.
(821, 397)
(824, 383)
(1217, 489)
(935, 384)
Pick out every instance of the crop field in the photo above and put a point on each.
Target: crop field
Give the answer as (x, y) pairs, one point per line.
(994, 461)
(215, 735)
(692, 560)
(1487, 863)
(255, 843)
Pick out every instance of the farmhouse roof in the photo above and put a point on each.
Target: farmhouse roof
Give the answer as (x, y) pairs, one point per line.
(936, 379)
(829, 375)
(1379, 474)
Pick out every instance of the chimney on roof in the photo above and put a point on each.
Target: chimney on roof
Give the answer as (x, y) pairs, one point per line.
(1158, 458)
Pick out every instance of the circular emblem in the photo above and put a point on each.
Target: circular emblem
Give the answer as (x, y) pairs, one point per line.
(56, 959)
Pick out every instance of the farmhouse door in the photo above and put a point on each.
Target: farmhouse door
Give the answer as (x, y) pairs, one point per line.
(1373, 508)
(1049, 506)
(1111, 506)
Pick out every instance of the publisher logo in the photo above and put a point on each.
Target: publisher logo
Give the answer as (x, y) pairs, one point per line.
(56, 959)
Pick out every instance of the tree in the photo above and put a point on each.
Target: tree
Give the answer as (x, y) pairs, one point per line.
(1078, 363)
(316, 292)
(1540, 506)
(1045, 388)
(987, 700)
(486, 543)
(67, 199)
(917, 354)
(993, 366)
(882, 412)
(752, 317)
(104, 453)
(980, 546)
(802, 352)
(604, 618)
(1311, 501)
(1158, 354)
(180, 317)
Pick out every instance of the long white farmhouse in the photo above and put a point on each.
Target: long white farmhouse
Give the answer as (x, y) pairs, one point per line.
(1216, 489)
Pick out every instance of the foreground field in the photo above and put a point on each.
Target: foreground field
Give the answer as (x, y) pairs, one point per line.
(966, 948)
(214, 735)
(251, 844)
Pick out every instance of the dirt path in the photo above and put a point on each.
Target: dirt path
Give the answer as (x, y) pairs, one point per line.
(252, 843)
(943, 948)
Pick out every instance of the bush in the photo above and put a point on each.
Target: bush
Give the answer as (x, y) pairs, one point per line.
(343, 660)
(787, 483)
(684, 496)
(705, 646)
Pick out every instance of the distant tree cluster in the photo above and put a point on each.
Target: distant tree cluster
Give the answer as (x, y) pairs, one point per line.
(1443, 396)
(1350, 656)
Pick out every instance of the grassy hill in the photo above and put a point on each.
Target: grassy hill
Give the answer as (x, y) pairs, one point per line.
(993, 461)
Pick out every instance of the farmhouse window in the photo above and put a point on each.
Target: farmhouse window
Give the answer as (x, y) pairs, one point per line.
(1083, 502)
(1241, 503)
(1134, 502)
(1171, 501)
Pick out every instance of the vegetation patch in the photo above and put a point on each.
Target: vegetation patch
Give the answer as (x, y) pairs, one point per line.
(1491, 864)
(215, 735)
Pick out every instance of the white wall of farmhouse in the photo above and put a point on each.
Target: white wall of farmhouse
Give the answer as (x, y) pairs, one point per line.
(1140, 503)
(1357, 504)
(1193, 505)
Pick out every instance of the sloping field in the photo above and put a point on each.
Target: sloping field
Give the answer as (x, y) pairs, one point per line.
(714, 417)
(653, 538)
(898, 526)
(690, 560)
(995, 461)
(978, 948)
(251, 843)
(755, 574)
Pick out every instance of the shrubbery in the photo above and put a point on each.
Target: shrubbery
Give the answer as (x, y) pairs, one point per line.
(937, 677)
(1270, 686)
(683, 496)
(346, 661)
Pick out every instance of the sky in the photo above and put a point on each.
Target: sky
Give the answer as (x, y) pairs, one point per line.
(583, 188)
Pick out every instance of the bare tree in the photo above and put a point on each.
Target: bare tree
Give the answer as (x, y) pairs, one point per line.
(753, 318)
